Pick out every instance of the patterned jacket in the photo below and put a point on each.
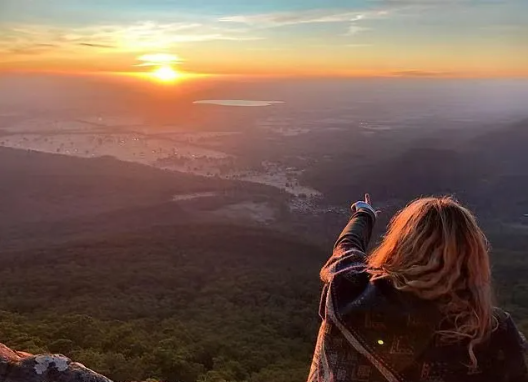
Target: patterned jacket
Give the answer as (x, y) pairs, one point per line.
(372, 332)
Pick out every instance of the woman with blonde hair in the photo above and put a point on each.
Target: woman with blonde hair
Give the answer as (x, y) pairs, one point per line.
(419, 307)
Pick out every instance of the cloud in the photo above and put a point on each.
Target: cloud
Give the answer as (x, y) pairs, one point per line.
(317, 16)
(158, 59)
(32, 49)
(136, 37)
(152, 35)
(95, 45)
(355, 29)
(267, 20)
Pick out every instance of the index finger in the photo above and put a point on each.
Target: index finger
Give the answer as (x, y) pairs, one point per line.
(367, 198)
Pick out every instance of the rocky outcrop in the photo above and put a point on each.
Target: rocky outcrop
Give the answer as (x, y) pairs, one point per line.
(18, 366)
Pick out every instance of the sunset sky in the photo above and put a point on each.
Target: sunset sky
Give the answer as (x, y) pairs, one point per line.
(475, 38)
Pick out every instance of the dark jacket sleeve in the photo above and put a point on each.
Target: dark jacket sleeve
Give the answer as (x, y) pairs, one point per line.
(349, 252)
(357, 233)
(351, 245)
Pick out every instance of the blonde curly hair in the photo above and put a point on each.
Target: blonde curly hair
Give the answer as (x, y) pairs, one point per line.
(435, 249)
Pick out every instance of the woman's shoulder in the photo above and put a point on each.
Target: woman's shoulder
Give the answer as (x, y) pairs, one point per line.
(505, 333)
(503, 320)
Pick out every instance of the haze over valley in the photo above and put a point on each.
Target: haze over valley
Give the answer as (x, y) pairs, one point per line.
(315, 122)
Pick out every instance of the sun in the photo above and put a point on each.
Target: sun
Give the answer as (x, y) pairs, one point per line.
(165, 74)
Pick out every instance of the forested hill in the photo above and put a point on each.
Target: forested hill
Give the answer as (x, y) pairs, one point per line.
(487, 170)
(48, 198)
(98, 263)
(39, 187)
(188, 302)
(183, 303)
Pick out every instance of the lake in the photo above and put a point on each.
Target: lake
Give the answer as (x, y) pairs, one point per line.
(237, 102)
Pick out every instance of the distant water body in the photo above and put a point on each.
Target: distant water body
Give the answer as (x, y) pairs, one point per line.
(237, 102)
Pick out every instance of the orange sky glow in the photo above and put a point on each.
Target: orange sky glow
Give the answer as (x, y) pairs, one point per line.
(368, 38)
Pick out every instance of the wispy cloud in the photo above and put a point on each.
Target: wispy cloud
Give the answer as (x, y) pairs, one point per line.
(31, 49)
(96, 45)
(351, 20)
(137, 37)
(158, 59)
(267, 20)
(355, 29)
